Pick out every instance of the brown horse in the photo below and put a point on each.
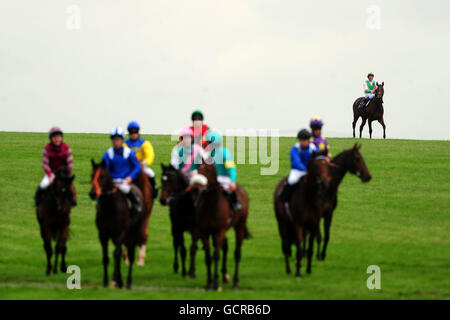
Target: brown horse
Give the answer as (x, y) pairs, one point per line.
(144, 185)
(214, 218)
(113, 222)
(182, 215)
(374, 111)
(53, 214)
(301, 216)
(351, 161)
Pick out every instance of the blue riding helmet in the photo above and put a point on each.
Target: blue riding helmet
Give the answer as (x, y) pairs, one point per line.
(117, 132)
(133, 125)
(214, 137)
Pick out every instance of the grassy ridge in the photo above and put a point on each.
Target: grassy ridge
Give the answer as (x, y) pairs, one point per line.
(399, 221)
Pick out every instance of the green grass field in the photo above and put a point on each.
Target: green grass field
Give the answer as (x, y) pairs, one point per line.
(399, 221)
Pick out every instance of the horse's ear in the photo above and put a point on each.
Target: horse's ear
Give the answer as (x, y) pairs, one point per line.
(377, 83)
(359, 146)
(355, 146)
(163, 167)
(72, 178)
(93, 163)
(382, 84)
(103, 163)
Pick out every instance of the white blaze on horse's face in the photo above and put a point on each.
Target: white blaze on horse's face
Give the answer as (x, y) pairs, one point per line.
(164, 178)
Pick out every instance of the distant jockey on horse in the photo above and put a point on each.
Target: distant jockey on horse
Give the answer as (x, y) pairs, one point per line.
(187, 155)
(301, 153)
(144, 153)
(316, 137)
(226, 168)
(369, 88)
(124, 167)
(200, 130)
(55, 155)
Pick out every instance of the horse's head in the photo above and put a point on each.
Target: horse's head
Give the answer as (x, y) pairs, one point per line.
(172, 181)
(100, 179)
(379, 91)
(62, 189)
(209, 171)
(355, 164)
(318, 175)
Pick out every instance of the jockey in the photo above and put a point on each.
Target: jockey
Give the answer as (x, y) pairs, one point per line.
(369, 90)
(200, 130)
(144, 153)
(187, 156)
(301, 154)
(55, 155)
(124, 167)
(319, 141)
(226, 168)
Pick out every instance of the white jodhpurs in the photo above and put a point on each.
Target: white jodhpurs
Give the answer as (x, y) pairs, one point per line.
(122, 185)
(224, 182)
(370, 96)
(46, 182)
(148, 171)
(295, 175)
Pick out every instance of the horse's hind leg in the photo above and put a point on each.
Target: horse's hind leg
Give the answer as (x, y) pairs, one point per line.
(49, 251)
(327, 225)
(131, 254)
(362, 126)
(192, 252)
(319, 242)
(218, 242)
(381, 121)
(310, 250)
(225, 276)
(286, 247)
(355, 119)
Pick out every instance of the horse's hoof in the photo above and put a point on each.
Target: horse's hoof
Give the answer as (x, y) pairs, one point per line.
(219, 289)
(63, 268)
(226, 278)
(140, 263)
(191, 275)
(308, 271)
(113, 285)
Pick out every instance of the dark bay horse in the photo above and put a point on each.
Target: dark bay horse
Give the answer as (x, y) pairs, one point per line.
(182, 215)
(302, 216)
(53, 214)
(113, 222)
(214, 218)
(144, 185)
(351, 161)
(374, 111)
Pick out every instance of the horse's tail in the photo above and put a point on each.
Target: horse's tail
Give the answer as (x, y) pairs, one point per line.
(247, 234)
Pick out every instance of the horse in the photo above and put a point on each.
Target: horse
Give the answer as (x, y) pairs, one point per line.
(214, 217)
(182, 215)
(349, 160)
(144, 185)
(113, 222)
(301, 216)
(374, 111)
(53, 215)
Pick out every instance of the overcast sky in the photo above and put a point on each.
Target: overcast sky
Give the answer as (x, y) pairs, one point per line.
(247, 64)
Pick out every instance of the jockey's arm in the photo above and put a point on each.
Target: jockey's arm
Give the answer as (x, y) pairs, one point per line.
(46, 163)
(136, 167)
(175, 158)
(148, 153)
(296, 162)
(69, 159)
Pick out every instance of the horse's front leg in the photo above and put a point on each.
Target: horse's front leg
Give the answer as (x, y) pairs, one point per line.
(183, 255)
(176, 244)
(298, 244)
(327, 226)
(310, 249)
(355, 119)
(57, 252)
(63, 249)
(384, 127)
(218, 242)
(117, 277)
(225, 276)
(192, 252)
(370, 128)
(205, 240)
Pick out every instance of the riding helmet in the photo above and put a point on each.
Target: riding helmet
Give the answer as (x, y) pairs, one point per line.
(54, 131)
(133, 127)
(117, 132)
(370, 74)
(186, 132)
(197, 115)
(316, 123)
(304, 134)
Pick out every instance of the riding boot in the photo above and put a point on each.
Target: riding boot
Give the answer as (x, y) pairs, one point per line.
(153, 187)
(363, 103)
(285, 193)
(235, 203)
(136, 207)
(38, 195)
